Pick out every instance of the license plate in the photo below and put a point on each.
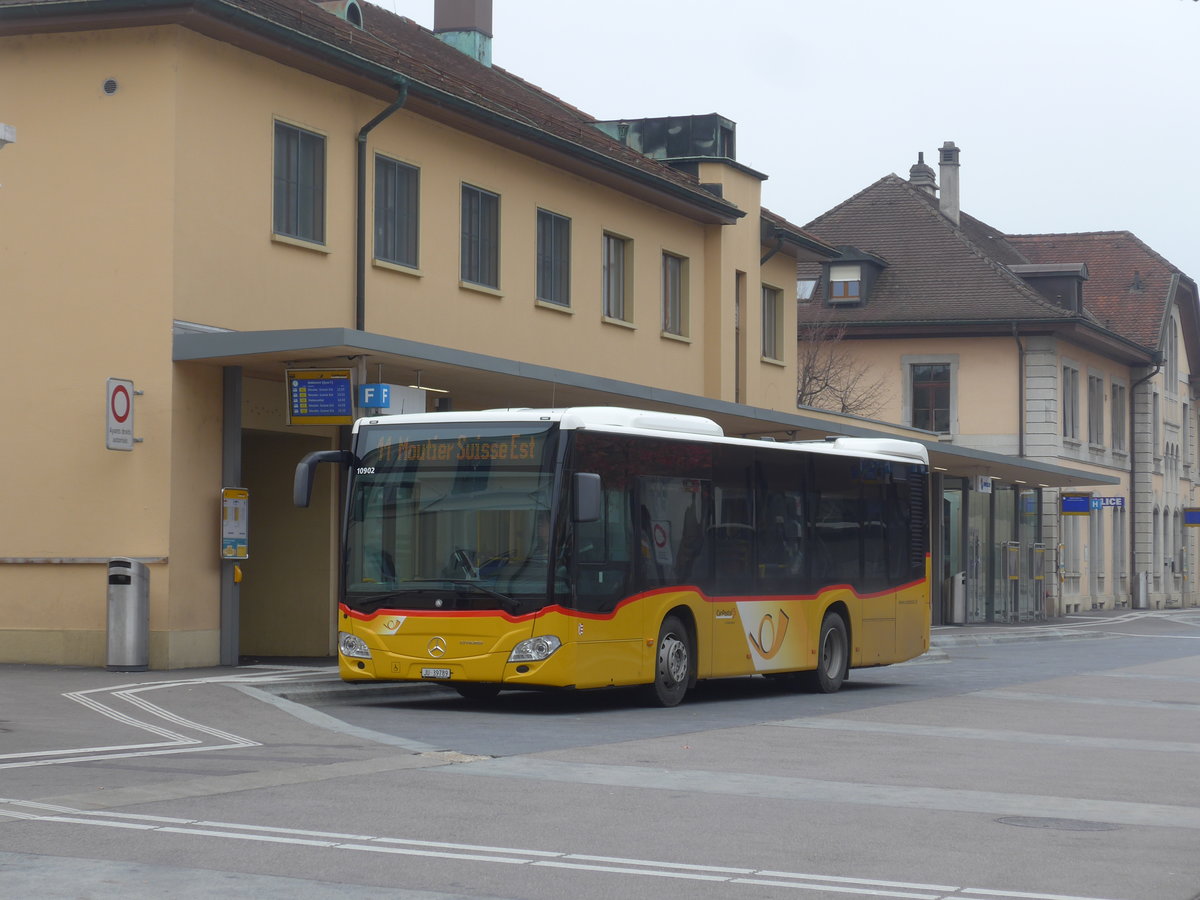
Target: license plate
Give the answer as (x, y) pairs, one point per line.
(435, 673)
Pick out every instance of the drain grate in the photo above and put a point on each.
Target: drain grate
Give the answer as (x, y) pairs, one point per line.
(1058, 824)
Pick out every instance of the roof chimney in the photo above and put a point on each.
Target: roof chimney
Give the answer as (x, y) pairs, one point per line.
(921, 177)
(948, 167)
(465, 25)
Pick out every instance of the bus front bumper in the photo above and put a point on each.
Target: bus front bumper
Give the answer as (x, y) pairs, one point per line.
(557, 670)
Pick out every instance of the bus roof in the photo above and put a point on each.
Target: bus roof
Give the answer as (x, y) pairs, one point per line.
(622, 420)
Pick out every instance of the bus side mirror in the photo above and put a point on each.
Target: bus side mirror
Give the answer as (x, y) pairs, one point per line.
(306, 469)
(588, 497)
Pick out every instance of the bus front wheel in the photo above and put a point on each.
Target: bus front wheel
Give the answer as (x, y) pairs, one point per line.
(672, 663)
(833, 656)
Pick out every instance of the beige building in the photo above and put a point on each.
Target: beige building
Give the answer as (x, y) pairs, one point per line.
(207, 196)
(1072, 349)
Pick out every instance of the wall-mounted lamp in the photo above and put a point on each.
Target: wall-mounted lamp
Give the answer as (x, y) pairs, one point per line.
(8, 135)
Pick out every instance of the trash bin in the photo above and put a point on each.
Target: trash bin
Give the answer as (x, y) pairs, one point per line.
(958, 598)
(128, 616)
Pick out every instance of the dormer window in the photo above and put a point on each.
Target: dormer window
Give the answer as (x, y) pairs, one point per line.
(845, 283)
(851, 277)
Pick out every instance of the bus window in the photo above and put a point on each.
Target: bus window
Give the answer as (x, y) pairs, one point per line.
(836, 509)
(733, 532)
(779, 525)
(906, 509)
(671, 512)
(876, 478)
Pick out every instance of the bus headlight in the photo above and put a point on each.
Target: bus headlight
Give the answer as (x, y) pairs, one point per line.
(354, 647)
(535, 649)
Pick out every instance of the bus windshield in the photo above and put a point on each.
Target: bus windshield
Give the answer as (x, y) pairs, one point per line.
(450, 517)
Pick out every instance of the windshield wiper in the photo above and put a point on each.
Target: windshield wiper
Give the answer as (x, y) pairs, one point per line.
(509, 603)
(427, 586)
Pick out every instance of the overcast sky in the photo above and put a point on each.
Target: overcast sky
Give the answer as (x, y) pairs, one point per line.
(1071, 115)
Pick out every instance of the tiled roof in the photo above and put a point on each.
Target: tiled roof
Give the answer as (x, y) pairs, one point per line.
(392, 43)
(936, 273)
(774, 220)
(1128, 284)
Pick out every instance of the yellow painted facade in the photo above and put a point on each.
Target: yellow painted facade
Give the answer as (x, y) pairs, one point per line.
(127, 210)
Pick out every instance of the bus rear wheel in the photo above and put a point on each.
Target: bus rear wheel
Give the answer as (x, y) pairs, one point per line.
(672, 663)
(833, 657)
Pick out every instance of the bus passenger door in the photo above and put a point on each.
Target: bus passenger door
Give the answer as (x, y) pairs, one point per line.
(606, 621)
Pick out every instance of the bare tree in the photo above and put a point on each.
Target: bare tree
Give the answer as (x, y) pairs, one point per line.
(831, 378)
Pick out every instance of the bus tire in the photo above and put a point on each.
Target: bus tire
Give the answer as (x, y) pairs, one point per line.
(477, 693)
(673, 663)
(833, 656)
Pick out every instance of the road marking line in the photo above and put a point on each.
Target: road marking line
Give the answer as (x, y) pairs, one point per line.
(637, 862)
(1087, 701)
(174, 742)
(986, 734)
(29, 810)
(833, 889)
(811, 790)
(864, 881)
(1190, 679)
(623, 870)
(974, 892)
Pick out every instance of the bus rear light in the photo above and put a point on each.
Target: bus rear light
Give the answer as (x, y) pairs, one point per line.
(535, 649)
(354, 647)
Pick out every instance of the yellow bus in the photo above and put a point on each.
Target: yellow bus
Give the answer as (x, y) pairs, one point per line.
(601, 547)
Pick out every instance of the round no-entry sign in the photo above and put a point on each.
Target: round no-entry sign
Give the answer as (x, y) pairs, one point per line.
(118, 431)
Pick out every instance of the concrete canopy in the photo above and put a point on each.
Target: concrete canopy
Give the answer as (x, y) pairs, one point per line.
(477, 381)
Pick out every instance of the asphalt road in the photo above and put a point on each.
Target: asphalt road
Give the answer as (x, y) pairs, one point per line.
(1037, 769)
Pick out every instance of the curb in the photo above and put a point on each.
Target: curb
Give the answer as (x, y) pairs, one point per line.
(1037, 633)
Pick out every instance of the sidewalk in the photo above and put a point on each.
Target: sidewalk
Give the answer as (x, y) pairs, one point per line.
(1076, 626)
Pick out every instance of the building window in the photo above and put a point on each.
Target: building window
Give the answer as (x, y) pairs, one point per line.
(553, 258)
(772, 323)
(1070, 402)
(616, 278)
(931, 396)
(397, 219)
(480, 237)
(299, 183)
(674, 294)
(1095, 410)
(1118, 414)
(805, 288)
(845, 283)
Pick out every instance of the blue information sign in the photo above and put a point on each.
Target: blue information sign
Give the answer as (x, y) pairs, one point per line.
(1191, 516)
(1075, 504)
(319, 397)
